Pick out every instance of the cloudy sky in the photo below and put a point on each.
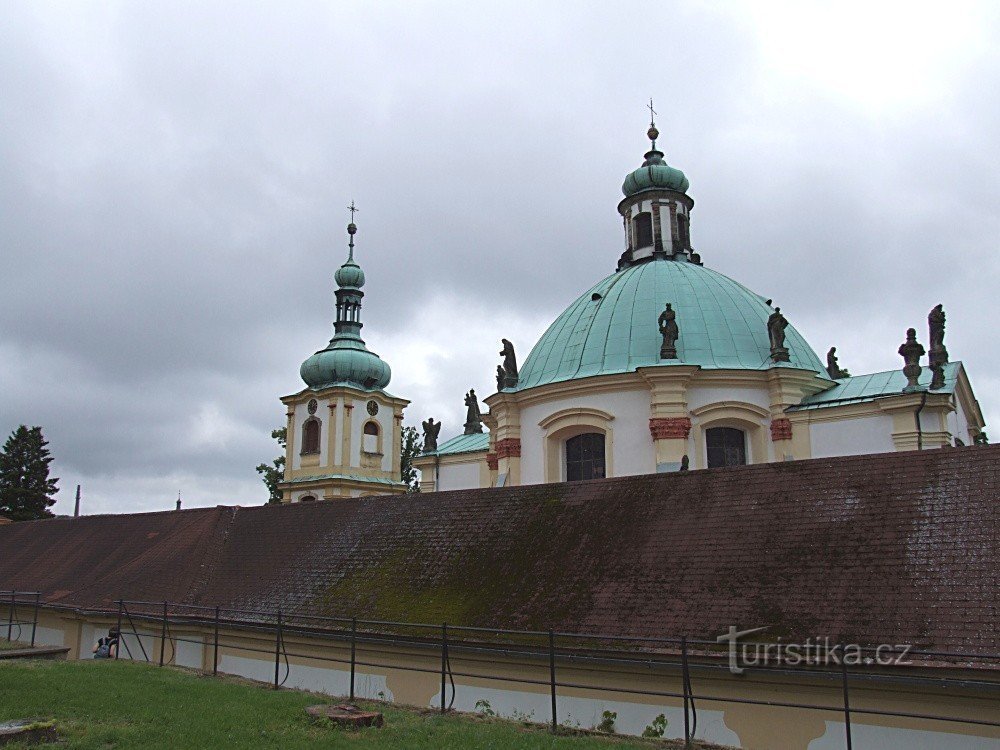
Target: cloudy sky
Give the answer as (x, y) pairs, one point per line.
(174, 180)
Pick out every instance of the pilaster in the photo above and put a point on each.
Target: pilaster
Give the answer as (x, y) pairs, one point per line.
(669, 422)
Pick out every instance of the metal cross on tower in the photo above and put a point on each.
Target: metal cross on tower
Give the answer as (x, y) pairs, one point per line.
(652, 112)
(353, 210)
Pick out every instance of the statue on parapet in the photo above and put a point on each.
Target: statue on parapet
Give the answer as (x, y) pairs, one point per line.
(776, 325)
(431, 430)
(937, 355)
(473, 417)
(667, 323)
(911, 351)
(509, 365)
(833, 368)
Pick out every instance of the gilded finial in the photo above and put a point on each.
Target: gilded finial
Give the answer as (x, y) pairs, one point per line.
(352, 229)
(652, 133)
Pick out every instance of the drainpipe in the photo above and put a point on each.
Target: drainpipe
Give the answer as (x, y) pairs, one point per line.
(916, 416)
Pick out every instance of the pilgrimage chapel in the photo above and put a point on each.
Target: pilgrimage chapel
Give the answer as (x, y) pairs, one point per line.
(664, 365)
(667, 364)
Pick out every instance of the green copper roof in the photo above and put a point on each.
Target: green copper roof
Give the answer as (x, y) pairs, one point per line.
(479, 441)
(654, 173)
(345, 361)
(612, 327)
(875, 385)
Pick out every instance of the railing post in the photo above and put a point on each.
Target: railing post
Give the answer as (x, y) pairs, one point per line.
(277, 650)
(215, 650)
(354, 640)
(847, 702)
(444, 660)
(34, 622)
(10, 615)
(121, 638)
(552, 678)
(163, 634)
(687, 698)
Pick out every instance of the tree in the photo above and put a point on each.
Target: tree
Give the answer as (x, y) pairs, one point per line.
(409, 448)
(26, 491)
(276, 472)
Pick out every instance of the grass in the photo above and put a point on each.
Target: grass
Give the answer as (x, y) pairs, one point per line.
(109, 704)
(6, 645)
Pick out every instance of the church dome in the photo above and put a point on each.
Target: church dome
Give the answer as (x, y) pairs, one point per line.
(612, 328)
(346, 361)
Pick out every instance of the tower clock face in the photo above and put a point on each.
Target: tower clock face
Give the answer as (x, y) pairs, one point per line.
(372, 408)
(312, 405)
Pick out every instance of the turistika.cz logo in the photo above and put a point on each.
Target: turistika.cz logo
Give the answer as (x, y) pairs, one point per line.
(811, 652)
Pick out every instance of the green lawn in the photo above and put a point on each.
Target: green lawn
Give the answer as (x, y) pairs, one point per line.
(108, 704)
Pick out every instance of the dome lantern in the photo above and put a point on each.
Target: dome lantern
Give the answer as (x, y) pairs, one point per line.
(656, 209)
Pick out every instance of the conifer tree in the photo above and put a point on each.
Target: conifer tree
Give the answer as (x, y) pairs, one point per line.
(26, 491)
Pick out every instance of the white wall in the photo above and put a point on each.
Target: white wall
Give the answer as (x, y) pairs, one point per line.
(633, 446)
(849, 437)
(458, 476)
(701, 396)
(958, 424)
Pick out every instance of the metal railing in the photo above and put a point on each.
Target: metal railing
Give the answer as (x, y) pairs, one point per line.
(30, 600)
(674, 660)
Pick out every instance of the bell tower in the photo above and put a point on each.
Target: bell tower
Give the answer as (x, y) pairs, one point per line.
(344, 428)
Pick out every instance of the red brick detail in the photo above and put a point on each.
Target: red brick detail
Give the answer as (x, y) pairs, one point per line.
(781, 429)
(492, 462)
(669, 427)
(509, 448)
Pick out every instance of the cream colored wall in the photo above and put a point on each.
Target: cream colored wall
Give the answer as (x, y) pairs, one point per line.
(319, 665)
(850, 436)
(632, 445)
(458, 476)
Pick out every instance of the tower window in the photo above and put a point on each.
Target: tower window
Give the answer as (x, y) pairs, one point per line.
(585, 457)
(642, 229)
(310, 436)
(307, 499)
(371, 436)
(683, 231)
(727, 446)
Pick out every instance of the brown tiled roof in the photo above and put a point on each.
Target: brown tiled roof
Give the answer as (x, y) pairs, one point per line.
(890, 548)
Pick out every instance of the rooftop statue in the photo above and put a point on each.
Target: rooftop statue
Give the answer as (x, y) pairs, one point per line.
(776, 325)
(833, 366)
(670, 332)
(911, 351)
(431, 430)
(938, 355)
(501, 378)
(473, 417)
(509, 364)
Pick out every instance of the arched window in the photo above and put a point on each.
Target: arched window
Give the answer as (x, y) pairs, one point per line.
(726, 446)
(310, 436)
(642, 229)
(585, 457)
(371, 437)
(307, 499)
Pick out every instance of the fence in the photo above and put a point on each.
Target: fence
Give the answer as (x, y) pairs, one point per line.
(30, 600)
(675, 659)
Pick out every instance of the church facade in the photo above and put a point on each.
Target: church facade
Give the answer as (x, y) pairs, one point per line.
(344, 429)
(668, 365)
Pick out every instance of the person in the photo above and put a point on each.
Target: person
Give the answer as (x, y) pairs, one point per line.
(107, 648)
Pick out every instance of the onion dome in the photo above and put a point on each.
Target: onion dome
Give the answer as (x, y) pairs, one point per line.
(655, 173)
(346, 360)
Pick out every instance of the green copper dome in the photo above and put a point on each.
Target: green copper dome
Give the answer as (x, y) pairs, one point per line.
(655, 173)
(346, 361)
(612, 327)
(350, 275)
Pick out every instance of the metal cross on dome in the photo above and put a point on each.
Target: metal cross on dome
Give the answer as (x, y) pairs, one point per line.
(652, 112)
(353, 210)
